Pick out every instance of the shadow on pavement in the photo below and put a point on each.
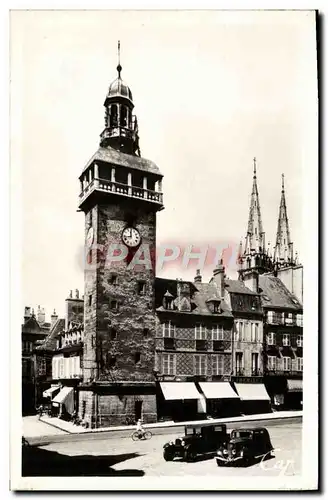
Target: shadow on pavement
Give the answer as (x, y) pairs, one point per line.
(39, 462)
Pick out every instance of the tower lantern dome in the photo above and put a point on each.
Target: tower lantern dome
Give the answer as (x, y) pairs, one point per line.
(121, 126)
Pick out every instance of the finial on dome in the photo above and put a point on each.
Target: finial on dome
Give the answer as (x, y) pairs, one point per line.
(119, 67)
(283, 181)
(254, 160)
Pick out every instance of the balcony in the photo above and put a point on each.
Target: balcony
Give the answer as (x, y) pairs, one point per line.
(117, 188)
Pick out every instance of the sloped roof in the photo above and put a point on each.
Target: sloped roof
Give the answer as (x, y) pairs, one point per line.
(199, 294)
(50, 341)
(275, 294)
(237, 286)
(111, 155)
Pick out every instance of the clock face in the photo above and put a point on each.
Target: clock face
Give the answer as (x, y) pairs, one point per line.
(131, 237)
(89, 239)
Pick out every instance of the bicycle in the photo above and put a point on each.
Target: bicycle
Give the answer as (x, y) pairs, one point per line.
(139, 435)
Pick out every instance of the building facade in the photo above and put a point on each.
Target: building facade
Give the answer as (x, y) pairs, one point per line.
(34, 330)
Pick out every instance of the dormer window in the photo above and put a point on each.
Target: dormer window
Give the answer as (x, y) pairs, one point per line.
(168, 300)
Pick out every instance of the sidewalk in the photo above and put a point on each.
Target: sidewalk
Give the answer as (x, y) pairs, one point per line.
(69, 427)
(33, 427)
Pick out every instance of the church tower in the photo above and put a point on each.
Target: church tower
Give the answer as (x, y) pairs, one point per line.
(283, 250)
(121, 193)
(254, 260)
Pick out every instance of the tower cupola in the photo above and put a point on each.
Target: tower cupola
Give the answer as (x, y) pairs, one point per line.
(121, 126)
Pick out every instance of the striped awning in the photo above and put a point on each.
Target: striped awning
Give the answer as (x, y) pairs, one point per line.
(179, 390)
(252, 392)
(50, 392)
(218, 390)
(294, 385)
(65, 397)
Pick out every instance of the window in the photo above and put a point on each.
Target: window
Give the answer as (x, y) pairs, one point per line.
(146, 332)
(217, 365)
(114, 305)
(237, 332)
(90, 218)
(113, 334)
(289, 319)
(137, 357)
(286, 339)
(274, 317)
(90, 300)
(113, 280)
(271, 338)
(239, 362)
(286, 363)
(200, 332)
(168, 361)
(217, 332)
(42, 366)
(113, 116)
(299, 364)
(61, 368)
(255, 363)
(200, 364)
(242, 331)
(216, 307)
(272, 363)
(254, 332)
(299, 319)
(141, 288)
(168, 329)
(299, 341)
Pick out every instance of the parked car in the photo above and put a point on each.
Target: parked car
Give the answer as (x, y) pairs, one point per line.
(244, 446)
(197, 440)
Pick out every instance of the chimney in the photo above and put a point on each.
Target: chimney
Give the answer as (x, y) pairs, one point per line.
(198, 277)
(41, 316)
(251, 280)
(70, 294)
(54, 318)
(218, 277)
(27, 314)
(76, 293)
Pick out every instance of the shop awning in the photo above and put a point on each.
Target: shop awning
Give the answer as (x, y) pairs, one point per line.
(252, 392)
(218, 390)
(179, 390)
(65, 397)
(294, 385)
(49, 392)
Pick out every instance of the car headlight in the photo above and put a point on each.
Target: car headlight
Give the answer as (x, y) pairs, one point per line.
(219, 452)
(171, 443)
(182, 443)
(225, 452)
(234, 452)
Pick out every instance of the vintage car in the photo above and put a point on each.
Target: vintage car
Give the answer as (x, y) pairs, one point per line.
(244, 446)
(197, 440)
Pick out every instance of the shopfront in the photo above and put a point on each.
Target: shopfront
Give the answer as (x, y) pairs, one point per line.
(221, 399)
(180, 401)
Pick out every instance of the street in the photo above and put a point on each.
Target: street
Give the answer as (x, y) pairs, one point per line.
(98, 455)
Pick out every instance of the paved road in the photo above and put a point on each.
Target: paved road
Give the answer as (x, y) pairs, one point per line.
(121, 456)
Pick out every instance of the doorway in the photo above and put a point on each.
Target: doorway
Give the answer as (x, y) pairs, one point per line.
(138, 409)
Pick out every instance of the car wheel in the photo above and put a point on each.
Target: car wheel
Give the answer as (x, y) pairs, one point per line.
(168, 456)
(190, 455)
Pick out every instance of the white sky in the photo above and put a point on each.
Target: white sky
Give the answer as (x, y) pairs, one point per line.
(211, 91)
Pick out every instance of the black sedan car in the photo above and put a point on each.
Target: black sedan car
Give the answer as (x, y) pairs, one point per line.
(197, 440)
(244, 446)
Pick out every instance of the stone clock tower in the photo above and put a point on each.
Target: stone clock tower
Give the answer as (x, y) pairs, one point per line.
(121, 193)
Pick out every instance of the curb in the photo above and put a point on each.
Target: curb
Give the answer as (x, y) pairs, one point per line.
(171, 424)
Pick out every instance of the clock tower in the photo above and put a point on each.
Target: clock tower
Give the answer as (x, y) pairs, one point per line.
(121, 193)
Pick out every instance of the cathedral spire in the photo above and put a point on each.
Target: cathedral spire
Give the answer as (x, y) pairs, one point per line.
(283, 251)
(255, 237)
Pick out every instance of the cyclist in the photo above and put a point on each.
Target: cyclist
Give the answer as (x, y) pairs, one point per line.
(140, 430)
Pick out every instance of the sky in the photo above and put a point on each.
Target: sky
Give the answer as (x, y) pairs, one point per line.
(211, 91)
